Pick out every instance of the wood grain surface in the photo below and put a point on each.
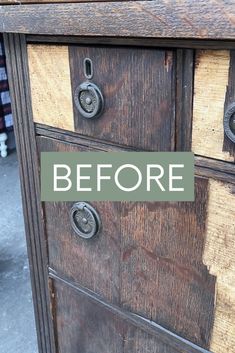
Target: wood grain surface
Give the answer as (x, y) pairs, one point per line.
(50, 83)
(85, 323)
(17, 68)
(210, 87)
(144, 260)
(156, 19)
(220, 261)
(138, 86)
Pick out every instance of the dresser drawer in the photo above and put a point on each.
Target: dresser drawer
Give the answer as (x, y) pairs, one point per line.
(137, 85)
(168, 262)
(85, 325)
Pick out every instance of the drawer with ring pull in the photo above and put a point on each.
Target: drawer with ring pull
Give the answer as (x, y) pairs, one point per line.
(159, 260)
(121, 95)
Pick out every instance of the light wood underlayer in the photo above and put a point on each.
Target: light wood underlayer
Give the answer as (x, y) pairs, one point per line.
(51, 85)
(219, 257)
(211, 80)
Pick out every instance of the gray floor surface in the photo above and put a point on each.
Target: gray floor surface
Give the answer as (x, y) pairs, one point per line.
(17, 327)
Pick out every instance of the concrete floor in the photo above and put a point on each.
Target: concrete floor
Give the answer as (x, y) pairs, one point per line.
(17, 327)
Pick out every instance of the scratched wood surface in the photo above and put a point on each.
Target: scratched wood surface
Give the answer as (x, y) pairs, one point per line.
(213, 91)
(144, 260)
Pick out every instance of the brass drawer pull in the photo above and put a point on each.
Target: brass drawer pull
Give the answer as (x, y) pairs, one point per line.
(84, 220)
(229, 122)
(87, 96)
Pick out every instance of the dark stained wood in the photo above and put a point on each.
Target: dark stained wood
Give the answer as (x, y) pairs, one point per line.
(228, 145)
(143, 42)
(212, 168)
(138, 86)
(184, 99)
(145, 260)
(74, 138)
(15, 46)
(182, 19)
(86, 324)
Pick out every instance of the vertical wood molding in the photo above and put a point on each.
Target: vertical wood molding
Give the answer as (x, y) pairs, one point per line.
(184, 98)
(17, 67)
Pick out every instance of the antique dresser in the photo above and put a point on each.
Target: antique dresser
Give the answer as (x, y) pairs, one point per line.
(159, 277)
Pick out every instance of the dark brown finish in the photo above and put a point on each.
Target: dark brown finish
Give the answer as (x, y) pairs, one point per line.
(143, 260)
(183, 19)
(138, 86)
(143, 42)
(212, 168)
(230, 98)
(24, 131)
(82, 141)
(184, 99)
(87, 324)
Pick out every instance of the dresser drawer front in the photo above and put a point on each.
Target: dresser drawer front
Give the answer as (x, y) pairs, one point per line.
(153, 259)
(84, 326)
(138, 87)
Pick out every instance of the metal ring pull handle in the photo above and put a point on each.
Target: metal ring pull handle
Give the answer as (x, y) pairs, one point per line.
(87, 96)
(84, 220)
(229, 122)
(89, 100)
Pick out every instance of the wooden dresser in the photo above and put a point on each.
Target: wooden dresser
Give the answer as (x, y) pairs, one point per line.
(159, 277)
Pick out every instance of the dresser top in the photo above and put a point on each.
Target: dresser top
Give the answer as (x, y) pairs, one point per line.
(206, 20)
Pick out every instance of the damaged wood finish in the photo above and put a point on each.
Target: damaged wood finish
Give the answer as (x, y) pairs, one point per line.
(210, 87)
(144, 260)
(220, 260)
(214, 91)
(51, 85)
(138, 87)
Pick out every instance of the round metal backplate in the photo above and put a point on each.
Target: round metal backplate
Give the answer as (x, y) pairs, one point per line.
(84, 220)
(229, 122)
(89, 100)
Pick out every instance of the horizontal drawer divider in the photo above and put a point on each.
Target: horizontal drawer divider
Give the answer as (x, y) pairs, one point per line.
(75, 138)
(216, 169)
(205, 167)
(147, 325)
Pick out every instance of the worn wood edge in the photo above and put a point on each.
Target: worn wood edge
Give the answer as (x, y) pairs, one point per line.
(215, 169)
(148, 326)
(145, 42)
(218, 256)
(78, 139)
(15, 46)
(184, 19)
(210, 86)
